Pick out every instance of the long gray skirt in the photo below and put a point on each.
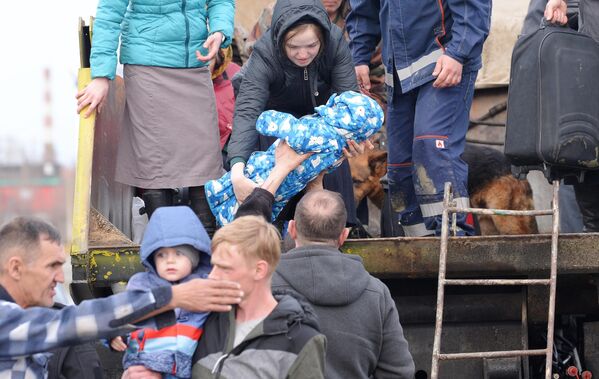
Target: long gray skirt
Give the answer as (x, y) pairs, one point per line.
(169, 137)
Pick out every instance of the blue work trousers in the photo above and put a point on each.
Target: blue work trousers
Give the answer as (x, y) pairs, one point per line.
(426, 131)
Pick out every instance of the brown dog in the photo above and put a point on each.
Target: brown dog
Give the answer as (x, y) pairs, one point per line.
(366, 171)
(490, 185)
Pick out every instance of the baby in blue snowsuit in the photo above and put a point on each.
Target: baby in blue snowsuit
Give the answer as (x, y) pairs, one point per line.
(348, 116)
(175, 248)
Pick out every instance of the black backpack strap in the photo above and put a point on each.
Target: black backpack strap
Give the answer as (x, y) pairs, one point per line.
(75, 362)
(56, 362)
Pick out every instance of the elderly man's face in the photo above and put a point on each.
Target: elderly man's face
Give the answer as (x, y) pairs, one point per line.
(39, 277)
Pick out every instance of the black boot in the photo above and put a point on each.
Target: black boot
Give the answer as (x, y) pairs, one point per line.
(156, 198)
(199, 205)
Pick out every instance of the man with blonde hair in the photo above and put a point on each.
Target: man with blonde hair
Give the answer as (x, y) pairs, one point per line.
(266, 336)
(260, 241)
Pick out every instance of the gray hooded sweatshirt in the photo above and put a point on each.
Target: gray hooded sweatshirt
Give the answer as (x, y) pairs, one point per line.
(356, 312)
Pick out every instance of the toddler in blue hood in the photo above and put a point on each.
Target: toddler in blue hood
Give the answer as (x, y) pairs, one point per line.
(175, 248)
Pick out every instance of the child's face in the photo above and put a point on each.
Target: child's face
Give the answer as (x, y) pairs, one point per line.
(171, 264)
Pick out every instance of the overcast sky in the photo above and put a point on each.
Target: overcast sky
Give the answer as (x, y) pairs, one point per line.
(36, 35)
(41, 34)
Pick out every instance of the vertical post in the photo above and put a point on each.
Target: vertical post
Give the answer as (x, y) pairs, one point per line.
(524, 329)
(553, 280)
(441, 282)
(83, 172)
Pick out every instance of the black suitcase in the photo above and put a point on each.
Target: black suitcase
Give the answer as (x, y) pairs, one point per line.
(553, 104)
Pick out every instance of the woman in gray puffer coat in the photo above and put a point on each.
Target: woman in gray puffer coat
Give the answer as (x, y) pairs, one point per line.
(294, 67)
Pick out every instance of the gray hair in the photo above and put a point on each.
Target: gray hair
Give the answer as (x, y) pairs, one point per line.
(320, 216)
(24, 234)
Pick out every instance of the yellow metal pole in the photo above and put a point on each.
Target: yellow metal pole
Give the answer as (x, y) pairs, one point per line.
(83, 173)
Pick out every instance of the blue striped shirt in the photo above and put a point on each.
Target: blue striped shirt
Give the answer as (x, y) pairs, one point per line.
(26, 335)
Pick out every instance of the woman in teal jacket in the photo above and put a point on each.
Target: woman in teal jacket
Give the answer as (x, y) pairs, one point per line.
(169, 136)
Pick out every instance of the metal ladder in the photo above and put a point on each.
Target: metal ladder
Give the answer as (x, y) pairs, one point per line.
(449, 206)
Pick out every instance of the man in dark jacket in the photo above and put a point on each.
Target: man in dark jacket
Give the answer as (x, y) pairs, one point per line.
(355, 310)
(75, 362)
(432, 54)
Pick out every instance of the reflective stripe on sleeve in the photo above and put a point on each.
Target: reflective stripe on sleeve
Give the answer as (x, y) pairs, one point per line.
(416, 230)
(436, 209)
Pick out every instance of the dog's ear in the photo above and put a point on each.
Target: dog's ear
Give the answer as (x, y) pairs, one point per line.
(377, 160)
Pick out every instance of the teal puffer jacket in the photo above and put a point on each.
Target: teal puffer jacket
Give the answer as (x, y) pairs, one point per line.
(164, 33)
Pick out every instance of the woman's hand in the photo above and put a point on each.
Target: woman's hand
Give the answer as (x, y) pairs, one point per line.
(242, 186)
(212, 44)
(94, 95)
(354, 149)
(117, 344)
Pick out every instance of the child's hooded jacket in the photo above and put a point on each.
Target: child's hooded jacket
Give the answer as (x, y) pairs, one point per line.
(169, 350)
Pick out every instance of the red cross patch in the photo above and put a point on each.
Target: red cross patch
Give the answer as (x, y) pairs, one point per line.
(440, 144)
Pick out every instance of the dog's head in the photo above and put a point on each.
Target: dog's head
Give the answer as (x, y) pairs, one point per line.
(367, 170)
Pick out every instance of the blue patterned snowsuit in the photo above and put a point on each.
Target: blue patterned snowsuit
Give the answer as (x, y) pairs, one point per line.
(349, 115)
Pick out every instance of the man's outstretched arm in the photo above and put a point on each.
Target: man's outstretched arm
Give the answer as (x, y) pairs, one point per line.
(39, 329)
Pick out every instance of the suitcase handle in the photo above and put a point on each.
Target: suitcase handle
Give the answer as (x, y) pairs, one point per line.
(545, 23)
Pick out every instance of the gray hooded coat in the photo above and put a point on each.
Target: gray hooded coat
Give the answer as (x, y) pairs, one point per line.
(269, 80)
(355, 310)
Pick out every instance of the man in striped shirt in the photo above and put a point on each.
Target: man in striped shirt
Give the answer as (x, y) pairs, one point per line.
(31, 259)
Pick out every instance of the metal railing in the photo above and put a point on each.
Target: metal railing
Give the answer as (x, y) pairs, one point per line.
(449, 207)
